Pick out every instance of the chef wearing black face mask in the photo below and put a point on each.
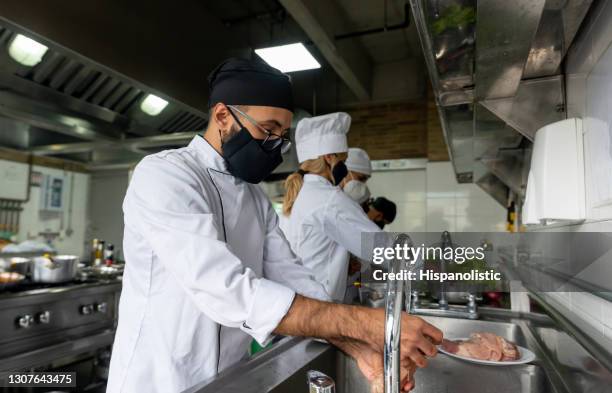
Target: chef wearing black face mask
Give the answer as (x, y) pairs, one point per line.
(240, 149)
(207, 267)
(323, 223)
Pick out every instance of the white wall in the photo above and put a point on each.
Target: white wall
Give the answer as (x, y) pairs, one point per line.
(589, 96)
(407, 189)
(431, 200)
(96, 212)
(34, 221)
(107, 192)
(462, 207)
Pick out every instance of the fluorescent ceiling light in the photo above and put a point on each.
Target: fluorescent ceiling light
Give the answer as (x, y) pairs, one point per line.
(26, 51)
(288, 58)
(153, 105)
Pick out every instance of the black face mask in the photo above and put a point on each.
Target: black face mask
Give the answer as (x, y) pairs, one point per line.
(247, 160)
(339, 172)
(381, 224)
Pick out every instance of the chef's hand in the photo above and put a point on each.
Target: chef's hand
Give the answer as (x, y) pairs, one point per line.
(313, 318)
(408, 368)
(418, 339)
(371, 365)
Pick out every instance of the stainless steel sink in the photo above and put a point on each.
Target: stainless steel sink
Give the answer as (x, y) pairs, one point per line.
(283, 368)
(446, 374)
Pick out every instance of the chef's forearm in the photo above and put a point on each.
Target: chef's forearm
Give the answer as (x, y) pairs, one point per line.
(349, 347)
(330, 321)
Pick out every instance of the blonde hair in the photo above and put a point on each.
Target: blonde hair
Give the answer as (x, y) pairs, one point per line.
(293, 183)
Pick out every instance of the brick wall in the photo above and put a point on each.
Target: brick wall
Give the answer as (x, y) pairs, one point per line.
(398, 130)
(389, 131)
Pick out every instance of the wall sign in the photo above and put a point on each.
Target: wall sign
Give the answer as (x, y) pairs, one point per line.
(14, 180)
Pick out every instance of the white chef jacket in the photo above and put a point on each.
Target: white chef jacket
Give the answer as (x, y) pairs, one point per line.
(207, 268)
(324, 225)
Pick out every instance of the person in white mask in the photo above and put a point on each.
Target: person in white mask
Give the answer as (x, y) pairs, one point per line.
(207, 268)
(324, 224)
(354, 185)
(359, 171)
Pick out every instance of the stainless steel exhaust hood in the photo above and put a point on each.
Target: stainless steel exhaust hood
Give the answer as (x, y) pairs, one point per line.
(71, 107)
(495, 70)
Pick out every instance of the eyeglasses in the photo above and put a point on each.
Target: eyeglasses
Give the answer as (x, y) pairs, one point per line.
(272, 140)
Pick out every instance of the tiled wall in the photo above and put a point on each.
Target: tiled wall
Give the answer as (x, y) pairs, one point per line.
(431, 200)
(589, 96)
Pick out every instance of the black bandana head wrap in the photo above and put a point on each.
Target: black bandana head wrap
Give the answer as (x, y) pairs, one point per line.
(249, 82)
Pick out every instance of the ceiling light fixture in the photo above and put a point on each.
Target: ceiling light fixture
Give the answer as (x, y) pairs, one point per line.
(26, 51)
(153, 105)
(288, 58)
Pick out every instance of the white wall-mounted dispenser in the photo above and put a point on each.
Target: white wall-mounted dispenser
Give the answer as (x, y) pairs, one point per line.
(52, 193)
(556, 187)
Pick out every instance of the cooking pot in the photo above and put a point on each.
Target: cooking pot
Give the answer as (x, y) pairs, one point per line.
(50, 270)
(20, 265)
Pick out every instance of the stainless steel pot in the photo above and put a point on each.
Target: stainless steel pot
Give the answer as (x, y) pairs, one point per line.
(50, 270)
(20, 265)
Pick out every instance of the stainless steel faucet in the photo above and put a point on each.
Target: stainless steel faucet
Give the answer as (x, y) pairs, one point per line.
(393, 320)
(443, 309)
(444, 242)
(320, 383)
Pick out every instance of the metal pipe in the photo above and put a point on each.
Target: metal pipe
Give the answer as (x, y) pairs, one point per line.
(444, 242)
(591, 345)
(393, 321)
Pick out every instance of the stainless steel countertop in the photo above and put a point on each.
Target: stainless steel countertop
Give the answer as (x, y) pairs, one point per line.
(267, 369)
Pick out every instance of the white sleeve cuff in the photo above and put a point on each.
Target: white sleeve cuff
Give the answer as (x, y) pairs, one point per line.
(270, 304)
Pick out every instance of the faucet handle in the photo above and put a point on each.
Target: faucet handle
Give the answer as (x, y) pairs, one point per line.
(320, 383)
(415, 299)
(471, 305)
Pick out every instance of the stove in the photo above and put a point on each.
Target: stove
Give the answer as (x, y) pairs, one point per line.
(43, 325)
(29, 285)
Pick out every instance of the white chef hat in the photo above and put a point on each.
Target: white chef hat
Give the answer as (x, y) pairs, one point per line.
(319, 135)
(358, 161)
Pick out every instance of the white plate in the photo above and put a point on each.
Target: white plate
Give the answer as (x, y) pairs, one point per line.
(526, 356)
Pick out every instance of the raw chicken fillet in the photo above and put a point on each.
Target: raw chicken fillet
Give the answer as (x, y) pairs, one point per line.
(483, 346)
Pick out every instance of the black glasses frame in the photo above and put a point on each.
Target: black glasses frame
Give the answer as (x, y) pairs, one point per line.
(269, 143)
